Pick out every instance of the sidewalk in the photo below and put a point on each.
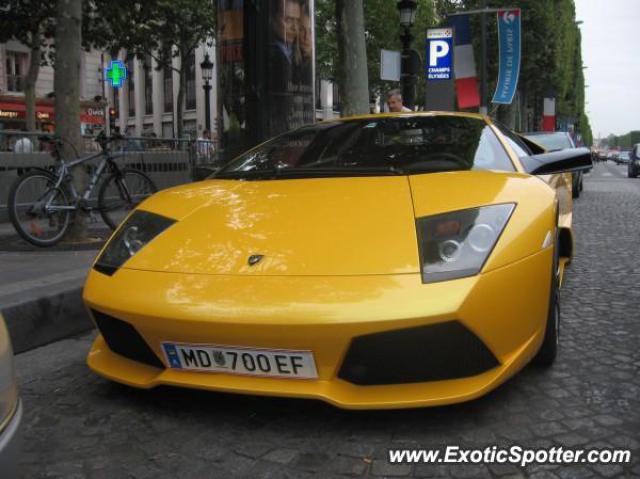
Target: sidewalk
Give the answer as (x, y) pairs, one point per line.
(41, 288)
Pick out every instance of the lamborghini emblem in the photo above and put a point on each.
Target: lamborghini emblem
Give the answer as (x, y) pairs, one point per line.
(255, 259)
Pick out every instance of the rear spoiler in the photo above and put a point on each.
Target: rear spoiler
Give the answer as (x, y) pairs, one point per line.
(563, 161)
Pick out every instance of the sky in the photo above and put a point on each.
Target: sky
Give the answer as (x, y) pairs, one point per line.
(611, 52)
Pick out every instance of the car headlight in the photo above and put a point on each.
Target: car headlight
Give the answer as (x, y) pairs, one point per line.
(457, 244)
(8, 387)
(139, 229)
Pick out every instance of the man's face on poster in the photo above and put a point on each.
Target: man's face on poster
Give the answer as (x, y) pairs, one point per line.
(287, 22)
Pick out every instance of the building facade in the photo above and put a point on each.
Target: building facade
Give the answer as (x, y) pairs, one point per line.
(14, 62)
(146, 103)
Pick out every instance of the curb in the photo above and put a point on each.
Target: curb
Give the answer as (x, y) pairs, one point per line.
(41, 321)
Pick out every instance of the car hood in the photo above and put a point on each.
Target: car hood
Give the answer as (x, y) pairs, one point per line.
(320, 226)
(324, 226)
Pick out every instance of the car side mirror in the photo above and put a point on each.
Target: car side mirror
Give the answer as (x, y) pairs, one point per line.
(563, 161)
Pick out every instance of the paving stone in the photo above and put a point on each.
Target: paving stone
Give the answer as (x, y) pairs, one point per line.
(77, 423)
(281, 456)
(380, 467)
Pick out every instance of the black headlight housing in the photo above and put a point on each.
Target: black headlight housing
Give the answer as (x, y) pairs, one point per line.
(138, 230)
(457, 244)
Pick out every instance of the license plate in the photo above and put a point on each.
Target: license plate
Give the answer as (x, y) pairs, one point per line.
(240, 360)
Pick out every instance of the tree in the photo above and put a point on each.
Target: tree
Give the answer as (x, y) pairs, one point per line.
(31, 22)
(160, 29)
(551, 62)
(68, 38)
(382, 31)
(352, 56)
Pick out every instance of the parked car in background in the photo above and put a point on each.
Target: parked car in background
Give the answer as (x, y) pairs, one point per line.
(633, 167)
(556, 141)
(10, 409)
(622, 158)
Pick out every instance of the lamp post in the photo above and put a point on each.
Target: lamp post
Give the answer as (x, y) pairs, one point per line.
(207, 72)
(410, 58)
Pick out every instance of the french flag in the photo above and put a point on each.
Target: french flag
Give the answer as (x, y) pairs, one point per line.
(464, 63)
(549, 114)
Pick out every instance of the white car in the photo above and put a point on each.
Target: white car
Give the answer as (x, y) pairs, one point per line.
(10, 409)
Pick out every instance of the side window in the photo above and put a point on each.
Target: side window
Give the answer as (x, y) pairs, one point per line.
(515, 143)
(490, 155)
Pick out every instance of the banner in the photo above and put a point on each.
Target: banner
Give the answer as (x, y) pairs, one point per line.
(549, 114)
(509, 38)
(464, 63)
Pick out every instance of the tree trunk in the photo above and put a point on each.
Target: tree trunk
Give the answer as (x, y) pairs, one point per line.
(353, 80)
(30, 87)
(507, 115)
(182, 81)
(68, 41)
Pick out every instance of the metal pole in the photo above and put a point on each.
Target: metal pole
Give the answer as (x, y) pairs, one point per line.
(483, 60)
(207, 105)
(407, 74)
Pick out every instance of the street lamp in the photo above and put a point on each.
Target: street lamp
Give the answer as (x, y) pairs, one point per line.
(410, 58)
(207, 72)
(407, 10)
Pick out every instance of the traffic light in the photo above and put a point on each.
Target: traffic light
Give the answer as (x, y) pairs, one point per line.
(113, 114)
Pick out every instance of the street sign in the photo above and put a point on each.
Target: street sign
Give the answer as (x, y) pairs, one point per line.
(439, 54)
(116, 74)
(389, 65)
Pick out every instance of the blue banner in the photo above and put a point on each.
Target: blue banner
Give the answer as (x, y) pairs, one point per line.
(509, 37)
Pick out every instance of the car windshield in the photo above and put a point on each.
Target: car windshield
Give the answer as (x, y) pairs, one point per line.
(375, 146)
(552, 141)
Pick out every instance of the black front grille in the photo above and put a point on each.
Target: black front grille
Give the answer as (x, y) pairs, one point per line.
(123, 339)
(426, 353)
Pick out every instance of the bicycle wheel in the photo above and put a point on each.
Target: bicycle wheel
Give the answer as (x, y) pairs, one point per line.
(35, 208)
(121, 192)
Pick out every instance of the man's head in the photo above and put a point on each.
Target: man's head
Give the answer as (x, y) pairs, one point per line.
(394, 101)
(286, 20)
(206, 134)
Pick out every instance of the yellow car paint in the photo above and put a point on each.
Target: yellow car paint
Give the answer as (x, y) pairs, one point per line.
(328, 277)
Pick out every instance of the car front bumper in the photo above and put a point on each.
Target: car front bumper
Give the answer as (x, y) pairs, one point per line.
(11, 444)
(505, 309)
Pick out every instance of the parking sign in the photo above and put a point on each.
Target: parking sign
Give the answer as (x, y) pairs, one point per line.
(439, 53)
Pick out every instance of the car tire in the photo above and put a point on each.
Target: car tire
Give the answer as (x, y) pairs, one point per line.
(546, 356)
(575, 187)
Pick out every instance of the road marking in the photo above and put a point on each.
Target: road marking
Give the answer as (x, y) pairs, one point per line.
(606, 173)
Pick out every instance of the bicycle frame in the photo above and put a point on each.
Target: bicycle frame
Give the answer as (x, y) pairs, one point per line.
(63, 171)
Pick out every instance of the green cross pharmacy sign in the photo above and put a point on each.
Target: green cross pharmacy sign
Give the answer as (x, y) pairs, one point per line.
(116, 74)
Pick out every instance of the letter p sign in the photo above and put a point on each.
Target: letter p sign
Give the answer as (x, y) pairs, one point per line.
(439, 53)
(437, 49)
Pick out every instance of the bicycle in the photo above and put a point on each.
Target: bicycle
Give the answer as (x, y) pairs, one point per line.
(42, 202)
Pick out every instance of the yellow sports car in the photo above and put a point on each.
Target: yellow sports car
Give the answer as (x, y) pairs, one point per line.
(382, 261)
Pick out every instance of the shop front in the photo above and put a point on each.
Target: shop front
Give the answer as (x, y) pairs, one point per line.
(13, 114)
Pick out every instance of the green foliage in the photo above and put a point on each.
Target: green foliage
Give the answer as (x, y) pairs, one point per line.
(161, 29)
(623, 141)
(147, 27)
(551, 59)
(31, 22)
(382, 31)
